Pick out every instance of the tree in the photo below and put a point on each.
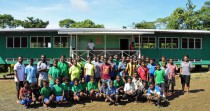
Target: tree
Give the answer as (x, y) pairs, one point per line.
(69, 23)
(34, 23)
(144, 25)
(8, 21)
(66, 23)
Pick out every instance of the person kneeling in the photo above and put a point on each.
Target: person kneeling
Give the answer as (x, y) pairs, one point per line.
(77, 90)
(130, 91)
(154, 94)
(26, 94)
(58, 91)
(112, 94)
(46, 93)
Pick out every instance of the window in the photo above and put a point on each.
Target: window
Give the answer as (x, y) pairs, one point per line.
(17, 42)
(63, 41)
(191, 43)
(168, 43)
(40, 42)
(145, 42)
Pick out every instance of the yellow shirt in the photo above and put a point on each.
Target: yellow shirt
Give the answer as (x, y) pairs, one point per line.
(131, 68)
(89, 69)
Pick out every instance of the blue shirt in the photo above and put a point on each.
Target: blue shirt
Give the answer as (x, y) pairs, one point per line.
(103, 90)
(112, 90)
(151, 68)
(31, 72)
(123, 64)
(112, 74)
(155, 91)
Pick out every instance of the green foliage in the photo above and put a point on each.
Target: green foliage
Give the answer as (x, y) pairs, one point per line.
(34, 23)
(8, 21)
(144, 25)
(69, 23)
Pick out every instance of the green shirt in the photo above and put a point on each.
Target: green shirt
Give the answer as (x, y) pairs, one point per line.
(75, 72)
(58, 90)
(45, 92)
(116, 61)
(118, 84)
(66, 87)
(84, 86)
(54, 72)
(161, 63)
(64, 67)
(77, 88)
(93, 86)
(159, 76)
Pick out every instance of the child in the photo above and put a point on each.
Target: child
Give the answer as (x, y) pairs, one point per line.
(93, 88)
(138, 86)
(77, 90)
(124, 77)
(166, 69)
(112, 94)
(89, 70)
(154, 94)
(36, 93)
(151, 66)
(171, 77)
(119, 83)
(103, 90)
(143, 71)
(84, 86)
(46, 93)
(129, 90)
(58, 91)
(26, 94)
(67, 88)
(53, 73)
(160, 78)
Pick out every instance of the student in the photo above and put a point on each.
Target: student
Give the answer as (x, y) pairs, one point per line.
(167, 71)
(171, 77)
(142, 58)
(91, 47)
(36, 93)
(138, 86)
(119, 83)
(129, 90)
(31, 72)
(89, 70)
(147, 60)
(103, 90)
(154, 93)
(114, 68)
(26, 94)
(81, 64)
(163, 59)
(75, 71)
(98, 65)
(116, 59)
(160, 78)
(130, 68)
(67, 88)
(42, 67)
(143, 71)
(54, 73)
(122, 66)
(77, 90)
(105, 71)
(19, 70)
(112, 94)
(63, 66)
(151, 66)
(46, 93)
(93, 88)
(84, 86)
(58, 91)
(185, 68)
(124, 77)
(70, 61)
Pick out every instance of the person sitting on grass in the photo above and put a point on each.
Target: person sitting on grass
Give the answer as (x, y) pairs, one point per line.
(93, 89)
(119, 83)
(26, 94)
(103, 89)
(58, 91)
(112, 94)
(54, 73)
(84, 86)
(77, 90)
(36, 93)
(129, 90)
(67, 88)
(154, 93)
(46, 94)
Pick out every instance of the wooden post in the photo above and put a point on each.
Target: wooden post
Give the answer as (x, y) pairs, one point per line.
(105, 45)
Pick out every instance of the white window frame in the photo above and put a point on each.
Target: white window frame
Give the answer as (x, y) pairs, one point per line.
(165, 42)
(194, 42)
(68, 38)
(44, 41)
(141, 42)
(13, 37)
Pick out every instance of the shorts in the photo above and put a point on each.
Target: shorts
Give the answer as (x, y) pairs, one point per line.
(46, 99)
(18, 86)
(172, 81)
(185, 79)
(58, 98)
(87, 78)
(151, 75)
(162, 86)
(26, 101)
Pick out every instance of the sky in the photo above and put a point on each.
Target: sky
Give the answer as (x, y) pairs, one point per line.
(111, 13)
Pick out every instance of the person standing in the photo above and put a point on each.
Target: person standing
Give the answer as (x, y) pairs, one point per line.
(185, 68)
(54, 73)
(98, 65)
(31, 72)
(114, 68)
(152, 67)
(75, 71)
(105, 71)
(89, 70)
(63, 66)
(122, 66)
(91, 47)
(131, 48)
(131, 68)
(171, 77)
(19, 70)
(42, 67)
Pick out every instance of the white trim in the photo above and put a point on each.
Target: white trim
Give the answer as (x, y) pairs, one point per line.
(68, 44)
(194, 38)
(171, 42)
(43, 41)
(148, 41)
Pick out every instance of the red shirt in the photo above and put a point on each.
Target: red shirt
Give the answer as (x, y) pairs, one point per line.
(25, 92)
(143, 71)
(131, 47)
(105, 70)
(173, 68)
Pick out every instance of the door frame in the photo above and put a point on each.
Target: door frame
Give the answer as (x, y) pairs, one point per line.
(124, 38)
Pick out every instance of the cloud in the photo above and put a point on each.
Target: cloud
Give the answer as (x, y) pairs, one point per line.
(80, 5)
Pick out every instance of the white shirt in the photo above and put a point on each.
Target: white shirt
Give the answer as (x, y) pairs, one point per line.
(129, 87)
(91, 45)
(20, 68)
(137, 83)
(41, 65)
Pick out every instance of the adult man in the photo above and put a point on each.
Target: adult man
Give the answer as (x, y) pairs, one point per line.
(98, 65)
(19, 70)
(105, 71)
(31, 72)
(131, 67)
(42, 67)
(91, 47)
(63, 66)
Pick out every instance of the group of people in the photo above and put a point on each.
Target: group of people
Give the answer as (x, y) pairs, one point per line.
(99, 78)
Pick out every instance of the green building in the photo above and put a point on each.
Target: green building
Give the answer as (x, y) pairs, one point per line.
(154, 43)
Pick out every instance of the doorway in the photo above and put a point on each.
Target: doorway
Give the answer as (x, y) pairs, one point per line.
(124, 44)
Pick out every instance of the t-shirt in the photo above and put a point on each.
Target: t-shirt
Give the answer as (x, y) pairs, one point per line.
(43, 65)
(151, 68)
(103, 89)
(84, 86)
(75, 72)
(58, 90)
(66, 87)
(131, 47)
(159, 76)
(20, 68)
(116, 61)
(129, 87)
(98, 69)
(172, 68)
(31, 72)
(54, 72)
(25, 92)
(161, 63)
(77, 88)
(45, 92)
(64, 67)
(114, 68)
(92, 86)
(186, 66)
(89, 69)
(167, 71)
(143, 71)
(118, 83)
(111, 90)
(105, 70)
(121, 67)
(131, 68)
(91, 45)
(155, 91)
